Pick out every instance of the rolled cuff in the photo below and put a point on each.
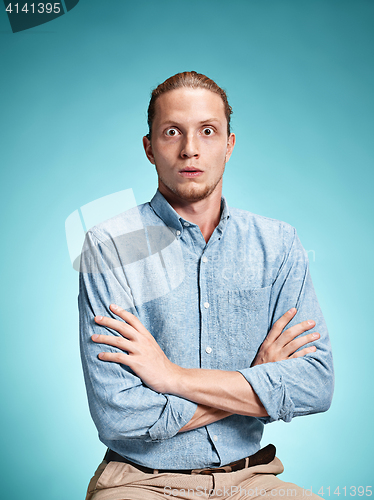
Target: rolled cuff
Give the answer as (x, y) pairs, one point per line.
(177, 413)
(270, 388)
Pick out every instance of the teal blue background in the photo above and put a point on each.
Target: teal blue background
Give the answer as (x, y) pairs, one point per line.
(74, 93)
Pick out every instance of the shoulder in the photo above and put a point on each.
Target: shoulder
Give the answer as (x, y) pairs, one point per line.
(132, 220)
(262, 226)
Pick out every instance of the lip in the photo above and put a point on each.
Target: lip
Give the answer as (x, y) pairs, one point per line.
(190, 172)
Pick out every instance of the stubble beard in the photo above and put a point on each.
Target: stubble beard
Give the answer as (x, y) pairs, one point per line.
(192, 192)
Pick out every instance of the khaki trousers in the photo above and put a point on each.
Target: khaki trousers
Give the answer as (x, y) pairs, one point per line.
(120, 481)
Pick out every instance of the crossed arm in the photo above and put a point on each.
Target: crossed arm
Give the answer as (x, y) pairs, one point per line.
(218, 393)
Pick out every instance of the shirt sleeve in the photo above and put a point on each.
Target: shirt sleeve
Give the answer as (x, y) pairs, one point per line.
(304, 385)
(121, 406)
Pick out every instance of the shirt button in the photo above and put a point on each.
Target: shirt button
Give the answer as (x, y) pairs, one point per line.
(215, 438)
(206, 305)
(178, 232)
(208, 350)
(205, 259)
(186, 224)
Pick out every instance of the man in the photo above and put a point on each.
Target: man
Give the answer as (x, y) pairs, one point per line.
(184, 345)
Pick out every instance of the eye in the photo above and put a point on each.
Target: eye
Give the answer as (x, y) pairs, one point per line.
(208, 131)
(171, 132)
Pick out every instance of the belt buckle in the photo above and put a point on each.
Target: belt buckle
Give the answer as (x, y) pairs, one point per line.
(203, 472)
(207, 472)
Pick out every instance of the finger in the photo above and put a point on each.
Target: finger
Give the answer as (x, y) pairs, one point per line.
(293, 346)
(280, 324)
(128, 317)
(115, 357)
(301, 353)
(291, 333)
(119, 342)
(124, 329)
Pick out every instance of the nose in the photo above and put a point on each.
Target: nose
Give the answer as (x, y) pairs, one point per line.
(190, 147)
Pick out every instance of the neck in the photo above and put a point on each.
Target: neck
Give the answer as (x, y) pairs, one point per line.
(205, 213)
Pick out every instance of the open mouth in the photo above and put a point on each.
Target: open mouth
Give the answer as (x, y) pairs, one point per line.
(190, 172)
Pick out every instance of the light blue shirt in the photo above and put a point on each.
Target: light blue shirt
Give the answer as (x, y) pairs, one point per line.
(208, 305)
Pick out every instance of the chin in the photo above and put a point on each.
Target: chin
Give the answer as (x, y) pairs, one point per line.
(190, 191)
(193, 193)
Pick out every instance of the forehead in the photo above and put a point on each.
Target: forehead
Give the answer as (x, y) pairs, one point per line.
(189, 105)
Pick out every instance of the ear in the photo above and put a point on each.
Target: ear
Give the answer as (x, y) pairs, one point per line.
(230, 146)
(148, 149)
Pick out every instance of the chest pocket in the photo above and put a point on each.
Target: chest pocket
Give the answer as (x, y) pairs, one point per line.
(247, 322)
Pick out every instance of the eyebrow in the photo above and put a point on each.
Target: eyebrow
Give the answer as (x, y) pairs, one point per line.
(175, 122)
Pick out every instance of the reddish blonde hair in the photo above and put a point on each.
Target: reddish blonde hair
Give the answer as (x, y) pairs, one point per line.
(192, 80)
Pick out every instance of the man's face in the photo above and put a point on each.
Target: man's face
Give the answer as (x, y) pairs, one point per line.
(189, 145)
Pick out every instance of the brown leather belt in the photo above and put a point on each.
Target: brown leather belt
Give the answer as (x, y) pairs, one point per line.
(263, 456)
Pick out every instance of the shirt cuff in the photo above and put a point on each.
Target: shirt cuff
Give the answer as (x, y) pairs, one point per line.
(268, 384)
(177, 413)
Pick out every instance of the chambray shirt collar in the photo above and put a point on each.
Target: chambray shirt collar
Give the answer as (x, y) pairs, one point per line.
(172, 219)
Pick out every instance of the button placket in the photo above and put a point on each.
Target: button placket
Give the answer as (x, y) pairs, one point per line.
(205, 346)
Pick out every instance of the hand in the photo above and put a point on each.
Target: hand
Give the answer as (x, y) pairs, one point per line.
(280, 345)
(145, 357)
